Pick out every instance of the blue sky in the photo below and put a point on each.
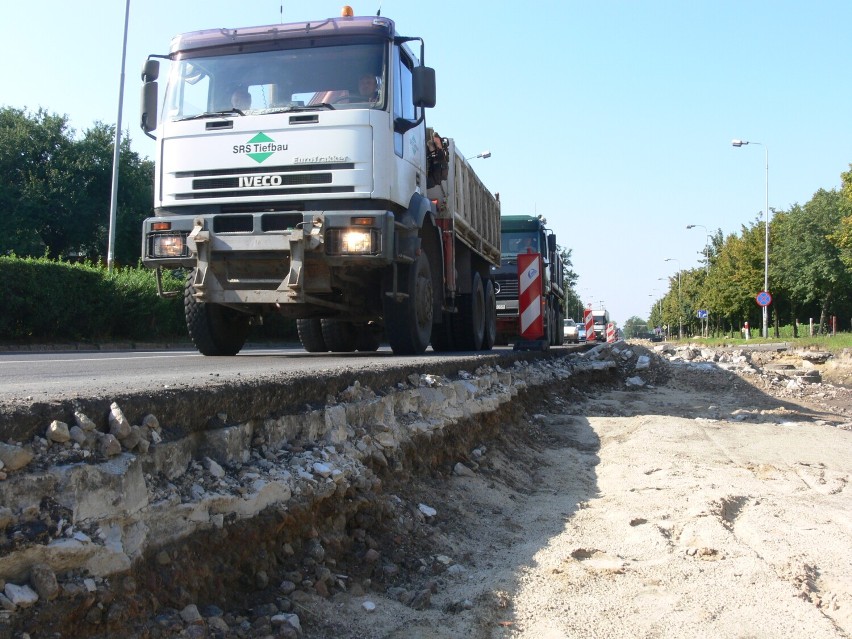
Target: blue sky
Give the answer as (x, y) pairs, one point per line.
(612, 119)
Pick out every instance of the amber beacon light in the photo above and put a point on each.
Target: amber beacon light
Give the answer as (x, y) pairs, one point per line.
(346, 11)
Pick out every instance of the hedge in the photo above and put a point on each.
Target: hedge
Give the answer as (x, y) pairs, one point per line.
(44, 299)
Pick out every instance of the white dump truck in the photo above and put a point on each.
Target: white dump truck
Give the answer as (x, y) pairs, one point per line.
(295, 174)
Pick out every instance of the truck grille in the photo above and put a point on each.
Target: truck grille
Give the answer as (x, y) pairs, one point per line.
(281, 180)
(263, 181)
(508, 288)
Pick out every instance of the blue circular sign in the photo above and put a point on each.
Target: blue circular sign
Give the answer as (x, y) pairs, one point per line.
(763, 298)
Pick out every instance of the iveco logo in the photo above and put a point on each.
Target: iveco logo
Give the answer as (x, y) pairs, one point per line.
(259, 148)
(260, 180)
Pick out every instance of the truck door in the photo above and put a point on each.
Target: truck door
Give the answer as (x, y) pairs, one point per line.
(408, 141)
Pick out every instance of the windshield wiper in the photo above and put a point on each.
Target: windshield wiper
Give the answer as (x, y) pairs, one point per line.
(291, 108)
(212, 114)
(313, 107)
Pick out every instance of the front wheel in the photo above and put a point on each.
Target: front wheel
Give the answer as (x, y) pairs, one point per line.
(408, 321)
(213, 328)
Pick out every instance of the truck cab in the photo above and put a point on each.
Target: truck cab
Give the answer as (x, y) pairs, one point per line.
(291, 178)
(523, 234)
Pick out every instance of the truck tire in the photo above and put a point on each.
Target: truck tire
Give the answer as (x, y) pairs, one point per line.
(214, 329)
(470, 320)
(339, 335)
(490, 335)
(557, 325)
(408, 322)
(560, 331)
(310, 334)
(551, 321)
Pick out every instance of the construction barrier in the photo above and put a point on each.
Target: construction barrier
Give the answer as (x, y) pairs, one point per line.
(529, 296)
(589, 321)
(610, 333)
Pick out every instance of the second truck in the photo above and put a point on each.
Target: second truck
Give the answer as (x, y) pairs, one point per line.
(519, 234)
(295, 175)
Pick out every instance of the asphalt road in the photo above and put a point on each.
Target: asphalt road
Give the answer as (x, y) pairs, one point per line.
(58, 375)
(36, 387)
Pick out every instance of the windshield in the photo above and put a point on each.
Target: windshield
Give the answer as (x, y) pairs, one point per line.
(514, 243)
(344, 77)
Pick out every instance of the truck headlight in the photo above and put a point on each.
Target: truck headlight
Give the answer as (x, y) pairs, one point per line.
(169, 245)
(353, 242)
(357, 242)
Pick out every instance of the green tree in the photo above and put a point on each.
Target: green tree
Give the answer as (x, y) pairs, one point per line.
(34, 195)
(572, 300)
(57, 192)
(635, 327)
(842, 237)
(735, 277)
(809, 264)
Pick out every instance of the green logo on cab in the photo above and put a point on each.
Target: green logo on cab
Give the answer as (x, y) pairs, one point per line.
(259, 148)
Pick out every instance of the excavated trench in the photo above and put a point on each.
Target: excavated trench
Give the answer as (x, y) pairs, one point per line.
(320, 546)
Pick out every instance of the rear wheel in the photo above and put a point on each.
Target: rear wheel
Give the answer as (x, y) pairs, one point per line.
(339, 335)
(551, 320)
(490, 334)
(213, 328)
(310, 334)
(470, 321)
(560, 322)
(408, 321)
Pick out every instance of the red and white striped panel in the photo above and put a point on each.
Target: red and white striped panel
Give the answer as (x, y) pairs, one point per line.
(589, 321)
(610, 333)
(529, 296)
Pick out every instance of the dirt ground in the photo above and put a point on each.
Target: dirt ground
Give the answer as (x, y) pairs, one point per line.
(700, 507)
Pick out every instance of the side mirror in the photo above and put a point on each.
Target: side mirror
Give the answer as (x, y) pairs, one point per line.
(551, 243)
(423, 81)
(148, 120)
(150, 70)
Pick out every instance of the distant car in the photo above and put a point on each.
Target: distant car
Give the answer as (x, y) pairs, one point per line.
(570, 331)
(581, 333)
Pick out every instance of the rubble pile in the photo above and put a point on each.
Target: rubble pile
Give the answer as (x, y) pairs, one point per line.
(94, 524)
(781, 371)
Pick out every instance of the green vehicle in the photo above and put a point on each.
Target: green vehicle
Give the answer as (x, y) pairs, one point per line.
(519, 234)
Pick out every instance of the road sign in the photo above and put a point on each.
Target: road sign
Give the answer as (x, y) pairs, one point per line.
(701, 314)
(763, 298)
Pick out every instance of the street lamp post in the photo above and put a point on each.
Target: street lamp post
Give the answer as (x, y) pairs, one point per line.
(679, 302)
(667, 329)
(116, 151)
(706, 245)
(705, 323)
(659, 305)
(739, 143)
